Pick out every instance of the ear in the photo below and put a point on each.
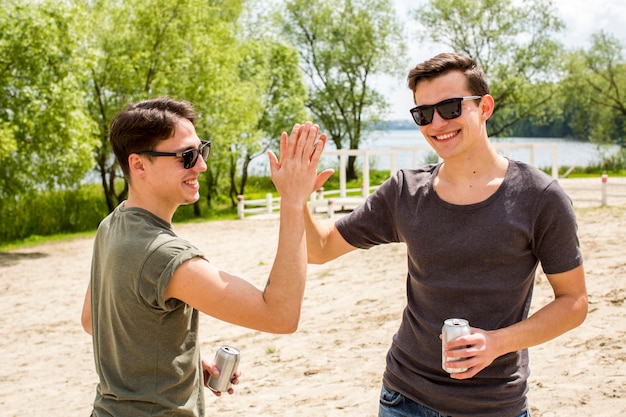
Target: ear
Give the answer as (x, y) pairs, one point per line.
(136, 165)
(487, 106)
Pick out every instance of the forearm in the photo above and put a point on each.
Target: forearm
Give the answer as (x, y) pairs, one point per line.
(284, 290)
(316, 238)
(324, 242)
(559, 316)
(86, 312)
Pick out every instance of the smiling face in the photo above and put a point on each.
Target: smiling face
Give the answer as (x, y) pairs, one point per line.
(172, 180)
(458, 137)
(161, 184)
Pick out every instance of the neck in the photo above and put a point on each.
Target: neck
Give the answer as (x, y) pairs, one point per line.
(465, 169)
(157, 209)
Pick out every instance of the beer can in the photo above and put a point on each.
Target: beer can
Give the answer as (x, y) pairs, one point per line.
(452, 328)
(227, 361)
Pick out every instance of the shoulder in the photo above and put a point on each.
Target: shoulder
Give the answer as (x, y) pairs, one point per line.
(528, 172)
(411, 179)
(528, 178)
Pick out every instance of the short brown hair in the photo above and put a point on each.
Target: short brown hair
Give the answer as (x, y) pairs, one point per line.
(141, 126)
(443, 64)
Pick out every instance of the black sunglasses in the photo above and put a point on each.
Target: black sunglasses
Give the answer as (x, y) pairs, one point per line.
(447, 109)
(190, 156)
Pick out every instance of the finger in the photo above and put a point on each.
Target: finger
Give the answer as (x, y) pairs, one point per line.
(318, 148)
(304, 138)
(292, 141)
(310, 142)
(283, 144)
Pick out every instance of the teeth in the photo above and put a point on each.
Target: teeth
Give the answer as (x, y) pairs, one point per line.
(447, 136)
(191, 182)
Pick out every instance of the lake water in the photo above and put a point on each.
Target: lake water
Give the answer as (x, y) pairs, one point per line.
(568, 152)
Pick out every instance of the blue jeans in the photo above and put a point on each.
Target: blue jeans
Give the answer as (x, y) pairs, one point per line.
(394, 404)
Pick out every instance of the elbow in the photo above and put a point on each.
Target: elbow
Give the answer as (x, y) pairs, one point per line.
(578, 311)
(288, 329)
(582, 310)
(285, 326)
(316, 259)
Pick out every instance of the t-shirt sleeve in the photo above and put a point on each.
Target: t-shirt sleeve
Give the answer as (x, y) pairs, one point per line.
(555, 238)
(372, 223)
(159, 268)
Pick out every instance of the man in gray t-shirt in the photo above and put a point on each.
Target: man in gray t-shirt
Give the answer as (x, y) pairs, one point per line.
(476, 226)
(148, 286)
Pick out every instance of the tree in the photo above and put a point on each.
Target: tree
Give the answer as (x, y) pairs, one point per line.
(46, 137)
(277, 94)
(512, 42)
(342, 45)
(143, 49)
(595, 90)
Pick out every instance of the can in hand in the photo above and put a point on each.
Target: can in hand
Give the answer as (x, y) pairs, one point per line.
(452, 328)
(227, 361)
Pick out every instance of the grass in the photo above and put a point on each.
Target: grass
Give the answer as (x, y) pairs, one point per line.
(36, 240)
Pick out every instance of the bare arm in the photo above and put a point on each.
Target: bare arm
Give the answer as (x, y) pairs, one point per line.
(324, 242)
(566, 311)
(276, 309)
(85, 318)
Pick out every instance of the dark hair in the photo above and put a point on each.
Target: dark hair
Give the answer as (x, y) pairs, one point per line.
(444, 63)
(141, 126)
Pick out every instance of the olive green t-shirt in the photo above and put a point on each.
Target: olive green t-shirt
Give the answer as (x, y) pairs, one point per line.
(145, 347)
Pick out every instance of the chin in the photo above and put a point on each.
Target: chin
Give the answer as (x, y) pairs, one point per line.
(192, 200)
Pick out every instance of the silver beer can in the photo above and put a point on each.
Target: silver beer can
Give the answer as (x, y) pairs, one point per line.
(452, 328)
(227, 361)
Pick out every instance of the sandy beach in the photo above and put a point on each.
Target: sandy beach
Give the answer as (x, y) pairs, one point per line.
(333, 364)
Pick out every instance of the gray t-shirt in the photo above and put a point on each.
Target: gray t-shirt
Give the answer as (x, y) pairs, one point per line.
(473, 261)
(146, 348)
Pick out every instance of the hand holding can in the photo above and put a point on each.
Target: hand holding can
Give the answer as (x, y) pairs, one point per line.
(452, 328)
(227, 361)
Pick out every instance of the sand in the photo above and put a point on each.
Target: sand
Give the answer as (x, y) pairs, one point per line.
(332, 366)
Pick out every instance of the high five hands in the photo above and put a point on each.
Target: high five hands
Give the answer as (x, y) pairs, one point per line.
(295, 173)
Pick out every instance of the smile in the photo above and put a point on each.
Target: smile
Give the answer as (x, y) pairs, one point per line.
(446, 136)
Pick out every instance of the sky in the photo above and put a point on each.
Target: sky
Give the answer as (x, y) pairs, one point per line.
(581, 17)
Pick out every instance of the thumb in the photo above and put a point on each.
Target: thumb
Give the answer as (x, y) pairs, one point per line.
(322, 177)
(273, 161)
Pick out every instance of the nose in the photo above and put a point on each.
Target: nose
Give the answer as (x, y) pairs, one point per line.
(200, 165)
(438, 120)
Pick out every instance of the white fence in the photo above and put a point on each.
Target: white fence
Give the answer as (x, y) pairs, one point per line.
(266, 205)
(594, 192)
(344, 198)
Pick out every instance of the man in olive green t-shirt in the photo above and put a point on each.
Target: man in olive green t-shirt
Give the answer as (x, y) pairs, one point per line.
(148, 285)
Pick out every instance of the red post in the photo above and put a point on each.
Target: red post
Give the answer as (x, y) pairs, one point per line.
(605, 181)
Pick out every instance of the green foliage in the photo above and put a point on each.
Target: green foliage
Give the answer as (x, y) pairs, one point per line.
(594, 91)
(186, 49)
(46, 136)
(344, 44)
(274, 101)
(513, 42)
(44, 213)
(67, 67)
